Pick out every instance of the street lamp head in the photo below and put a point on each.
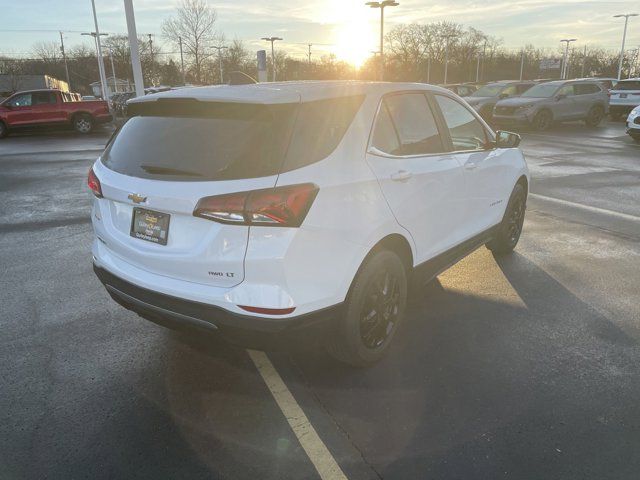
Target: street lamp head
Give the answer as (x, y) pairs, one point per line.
(390, 3)
(373, 4)
(626, 15)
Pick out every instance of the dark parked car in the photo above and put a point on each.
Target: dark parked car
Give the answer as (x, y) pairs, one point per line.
(485, 98)
(462, 89)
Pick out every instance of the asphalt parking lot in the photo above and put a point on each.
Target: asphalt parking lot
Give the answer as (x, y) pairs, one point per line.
(526, 367)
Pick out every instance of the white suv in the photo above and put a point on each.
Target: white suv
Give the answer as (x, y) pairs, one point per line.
(273, 206)
(624, 97)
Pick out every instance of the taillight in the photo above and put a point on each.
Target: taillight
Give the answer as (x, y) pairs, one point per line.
(277, 207)
(94, 184)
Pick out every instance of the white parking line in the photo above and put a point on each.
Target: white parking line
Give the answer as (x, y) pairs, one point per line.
(316, 450)
(588, 208)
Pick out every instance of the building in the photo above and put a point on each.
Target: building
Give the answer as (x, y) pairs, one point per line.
(114, 85)
(9, 83)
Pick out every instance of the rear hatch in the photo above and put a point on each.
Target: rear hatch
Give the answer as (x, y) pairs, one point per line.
(626, 92)
(166, 158)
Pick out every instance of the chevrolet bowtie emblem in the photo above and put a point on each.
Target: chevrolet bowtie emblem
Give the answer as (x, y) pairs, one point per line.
(136, 198)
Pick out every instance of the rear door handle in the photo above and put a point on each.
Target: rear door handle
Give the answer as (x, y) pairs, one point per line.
(401, 176)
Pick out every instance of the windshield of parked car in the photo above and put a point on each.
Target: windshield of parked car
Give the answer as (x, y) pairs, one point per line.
(628, 85)
(190, 140)
(543, 90)
(491, 90)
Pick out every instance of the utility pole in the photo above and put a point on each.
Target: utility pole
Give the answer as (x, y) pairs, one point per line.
(624, 39)
(381, 6)
(103, 78)
(181, 61)
(220, 48)
(64, 57)
(138, 79)
(310, 45)
(478, 69)
(429, 69)
(566, 55)
(484, 57)
(584, 61)
(151, 69)
(113, 70)
(273, 56)
(446, 54)
(521, 63)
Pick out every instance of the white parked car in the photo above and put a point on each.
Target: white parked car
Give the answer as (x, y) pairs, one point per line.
(624, 97)
(274, 206)
(633, 124)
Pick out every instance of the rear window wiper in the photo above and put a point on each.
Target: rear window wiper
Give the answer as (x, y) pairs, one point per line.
(158, 170)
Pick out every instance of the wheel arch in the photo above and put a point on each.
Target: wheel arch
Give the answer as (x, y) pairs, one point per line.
(81, 112)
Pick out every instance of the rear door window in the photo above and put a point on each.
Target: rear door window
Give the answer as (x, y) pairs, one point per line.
(414, 125)
(43, 98)
(586, 88)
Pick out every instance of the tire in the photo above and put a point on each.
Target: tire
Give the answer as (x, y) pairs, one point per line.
(83, 123)
(374, 308)
(4, 131)
(594, 116)
(510, 229)
(542, 121)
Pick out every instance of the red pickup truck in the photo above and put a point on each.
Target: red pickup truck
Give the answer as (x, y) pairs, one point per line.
(51, 107)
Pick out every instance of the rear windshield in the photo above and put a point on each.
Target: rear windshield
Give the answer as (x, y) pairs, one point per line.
(628, 85)
(200, 141)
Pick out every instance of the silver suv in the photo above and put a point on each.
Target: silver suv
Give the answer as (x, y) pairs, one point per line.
(556, 101)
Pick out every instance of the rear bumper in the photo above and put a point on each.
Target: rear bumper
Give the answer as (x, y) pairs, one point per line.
(181, 314)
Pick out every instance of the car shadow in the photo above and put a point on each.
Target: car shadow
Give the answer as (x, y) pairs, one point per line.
(475, 387)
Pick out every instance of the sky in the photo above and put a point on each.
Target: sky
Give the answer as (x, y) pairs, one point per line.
(346, 28)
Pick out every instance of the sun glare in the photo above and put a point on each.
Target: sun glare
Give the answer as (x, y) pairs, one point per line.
(354, 37)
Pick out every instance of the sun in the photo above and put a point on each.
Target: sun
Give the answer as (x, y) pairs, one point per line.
(354, 37)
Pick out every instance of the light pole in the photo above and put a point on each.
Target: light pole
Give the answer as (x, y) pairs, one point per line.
(381, 6)
(103, 78)
(64, 57)
(220, 48)
(446, 54)
(273, 56)
(624, 38)
(113, 69)
(133, 48)
(566, 53)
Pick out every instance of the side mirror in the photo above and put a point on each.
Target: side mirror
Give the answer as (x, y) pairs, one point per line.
(507, 139)
(561, 96)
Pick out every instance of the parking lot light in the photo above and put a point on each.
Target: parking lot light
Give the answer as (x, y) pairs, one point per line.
(624, 38)
(381, 6)
(565, 70)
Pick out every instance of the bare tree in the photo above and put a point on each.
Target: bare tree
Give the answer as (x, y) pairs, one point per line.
(193, 25)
